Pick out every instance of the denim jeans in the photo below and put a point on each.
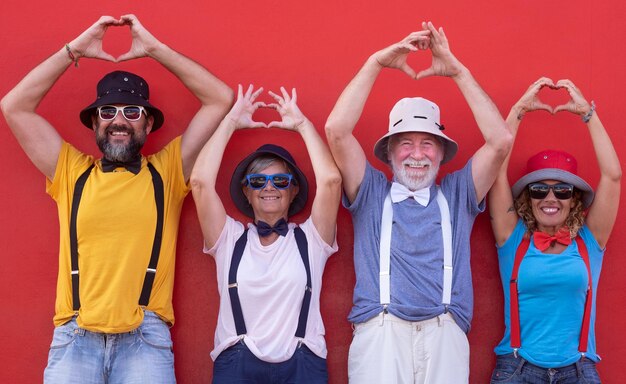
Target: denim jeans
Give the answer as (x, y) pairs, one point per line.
(515, 370)
(143, 355)
(237, 364)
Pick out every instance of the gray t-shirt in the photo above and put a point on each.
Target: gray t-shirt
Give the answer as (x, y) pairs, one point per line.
(416, 249)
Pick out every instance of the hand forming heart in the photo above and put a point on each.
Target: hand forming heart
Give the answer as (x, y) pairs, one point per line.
(530, 99)
(89, 43)
(444, 63)
(286, 105)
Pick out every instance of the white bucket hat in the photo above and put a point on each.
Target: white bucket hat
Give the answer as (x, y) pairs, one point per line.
(415, 114)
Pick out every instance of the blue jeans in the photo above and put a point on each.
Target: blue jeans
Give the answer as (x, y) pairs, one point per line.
(237, 364)
(515, 370)
(143, 355)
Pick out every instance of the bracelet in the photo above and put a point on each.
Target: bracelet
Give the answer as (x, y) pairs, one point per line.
(587, 116)
(71, 55)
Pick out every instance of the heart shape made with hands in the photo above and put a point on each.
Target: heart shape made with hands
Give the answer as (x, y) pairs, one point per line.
(117, 41)
(90, 42)
(554, 101)
(554, 96)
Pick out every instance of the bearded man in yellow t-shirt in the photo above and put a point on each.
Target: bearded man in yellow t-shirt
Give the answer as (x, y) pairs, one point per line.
(119, 214)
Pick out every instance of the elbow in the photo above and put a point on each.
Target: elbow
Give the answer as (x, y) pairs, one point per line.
(226, 98)
(229, 98)
(334, 179)
(616, 175)
(333, 135)
(6, 105)
(503, 143)
(196, 182)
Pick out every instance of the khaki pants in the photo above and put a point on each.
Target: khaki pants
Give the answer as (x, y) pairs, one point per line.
(387, 349)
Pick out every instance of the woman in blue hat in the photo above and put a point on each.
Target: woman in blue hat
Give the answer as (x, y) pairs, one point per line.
(551, 235)
(269, 272)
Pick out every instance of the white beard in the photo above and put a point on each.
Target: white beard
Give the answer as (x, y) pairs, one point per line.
(405, 177)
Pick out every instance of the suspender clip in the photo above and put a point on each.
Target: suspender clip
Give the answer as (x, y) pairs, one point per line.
(75, 272)
(515, 352)
(151, 270)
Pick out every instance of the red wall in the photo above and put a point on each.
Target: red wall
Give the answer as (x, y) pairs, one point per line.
(316, 47)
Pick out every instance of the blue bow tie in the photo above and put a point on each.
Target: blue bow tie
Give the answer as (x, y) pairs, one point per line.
(264, 229)
(133, 165)
(400, 193)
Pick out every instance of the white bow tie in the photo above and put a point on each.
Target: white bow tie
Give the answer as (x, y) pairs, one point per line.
(400, 193)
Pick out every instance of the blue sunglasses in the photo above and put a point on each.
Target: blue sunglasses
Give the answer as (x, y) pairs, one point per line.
(259, 180)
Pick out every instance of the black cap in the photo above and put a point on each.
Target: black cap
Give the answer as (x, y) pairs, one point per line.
(121, 87)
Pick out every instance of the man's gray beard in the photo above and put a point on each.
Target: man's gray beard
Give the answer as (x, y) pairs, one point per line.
(120, 152)
(402, 176)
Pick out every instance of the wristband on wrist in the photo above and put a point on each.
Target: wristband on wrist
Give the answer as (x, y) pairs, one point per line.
(71, 55)
(587, 116)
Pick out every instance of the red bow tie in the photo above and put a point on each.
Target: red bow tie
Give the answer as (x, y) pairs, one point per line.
(543, 241)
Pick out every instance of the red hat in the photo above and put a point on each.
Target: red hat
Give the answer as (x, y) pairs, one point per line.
(554, 165)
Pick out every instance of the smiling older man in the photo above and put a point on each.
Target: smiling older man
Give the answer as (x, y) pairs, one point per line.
(413, 294)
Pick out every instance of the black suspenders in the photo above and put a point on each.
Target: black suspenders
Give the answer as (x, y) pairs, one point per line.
(78, 193)
(240, 245)
(157, 183)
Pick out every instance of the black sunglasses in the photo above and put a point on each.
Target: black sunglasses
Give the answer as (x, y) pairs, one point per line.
(259, 180)
(562, 191)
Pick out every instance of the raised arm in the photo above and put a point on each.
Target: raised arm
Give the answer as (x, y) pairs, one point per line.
(37, 137)
(345, 148)
(215, 96)
(501, 209)
(487, 160)
(603, 211)
(209, 206)
(327, 176)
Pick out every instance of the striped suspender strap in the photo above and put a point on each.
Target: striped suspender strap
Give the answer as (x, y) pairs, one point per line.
(514, 303)
(157, 183)
(235, 303)
(385, 249)
(78, 193)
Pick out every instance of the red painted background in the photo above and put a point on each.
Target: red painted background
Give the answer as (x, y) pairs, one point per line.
(316, 47)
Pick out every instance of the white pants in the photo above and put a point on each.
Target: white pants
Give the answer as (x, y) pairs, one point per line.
(387, 349)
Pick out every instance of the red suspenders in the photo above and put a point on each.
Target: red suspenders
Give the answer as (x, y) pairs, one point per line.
(513, 296)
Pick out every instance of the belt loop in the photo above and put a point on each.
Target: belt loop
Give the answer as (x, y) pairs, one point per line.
(439, 321)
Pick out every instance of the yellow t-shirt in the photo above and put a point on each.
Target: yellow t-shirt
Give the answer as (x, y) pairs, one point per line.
(115, 230)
